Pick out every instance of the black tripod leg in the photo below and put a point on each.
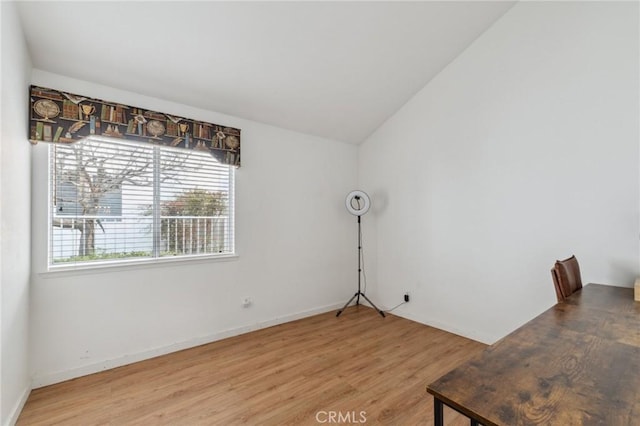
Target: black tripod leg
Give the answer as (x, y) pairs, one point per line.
(346, 304)
(374, 306)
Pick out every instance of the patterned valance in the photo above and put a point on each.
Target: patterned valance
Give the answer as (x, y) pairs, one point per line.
(63, 117)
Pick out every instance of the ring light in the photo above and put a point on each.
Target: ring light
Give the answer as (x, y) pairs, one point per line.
(358, 203)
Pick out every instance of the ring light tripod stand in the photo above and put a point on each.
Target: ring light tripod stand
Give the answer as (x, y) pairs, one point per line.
(358, 203)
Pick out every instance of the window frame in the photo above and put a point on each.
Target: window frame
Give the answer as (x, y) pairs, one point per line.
(136, 262)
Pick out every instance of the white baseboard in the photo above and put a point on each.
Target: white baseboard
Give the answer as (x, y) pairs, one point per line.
(17, 409)
(478, 337)
(40, 380)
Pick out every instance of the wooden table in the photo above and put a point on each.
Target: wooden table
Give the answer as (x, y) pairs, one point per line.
(577, 363)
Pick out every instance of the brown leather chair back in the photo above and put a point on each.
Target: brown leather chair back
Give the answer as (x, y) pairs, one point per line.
(566, 277)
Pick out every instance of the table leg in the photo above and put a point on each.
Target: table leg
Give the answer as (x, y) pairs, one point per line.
(438, 412)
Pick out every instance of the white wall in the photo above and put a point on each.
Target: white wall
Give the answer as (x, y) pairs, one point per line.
(15, 207)
(522, 151)
(294, 241)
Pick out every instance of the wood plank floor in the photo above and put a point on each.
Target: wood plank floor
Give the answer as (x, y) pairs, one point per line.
(291, 374)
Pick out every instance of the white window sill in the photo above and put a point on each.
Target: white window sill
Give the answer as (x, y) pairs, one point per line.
(125, 265)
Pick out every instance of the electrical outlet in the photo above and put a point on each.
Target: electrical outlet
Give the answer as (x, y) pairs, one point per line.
(246, 302)
(406, 297)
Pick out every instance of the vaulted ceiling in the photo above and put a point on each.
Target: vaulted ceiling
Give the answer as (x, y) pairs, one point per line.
(332, 69)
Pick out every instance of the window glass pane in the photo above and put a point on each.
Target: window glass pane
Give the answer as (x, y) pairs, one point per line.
(195, 204)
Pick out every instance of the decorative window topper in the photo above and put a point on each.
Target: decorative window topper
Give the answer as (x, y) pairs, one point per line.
(62, 117)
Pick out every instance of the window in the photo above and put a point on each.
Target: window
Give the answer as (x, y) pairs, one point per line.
(114, 201)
